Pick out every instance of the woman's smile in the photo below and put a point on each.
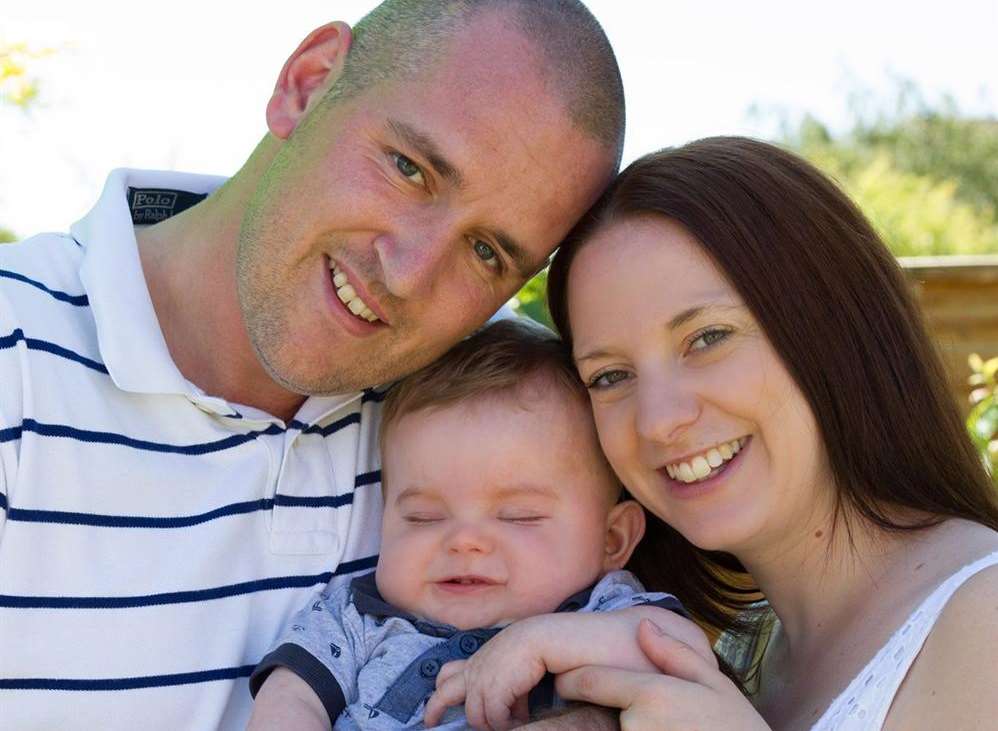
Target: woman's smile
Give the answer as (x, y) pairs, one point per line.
(682, 482)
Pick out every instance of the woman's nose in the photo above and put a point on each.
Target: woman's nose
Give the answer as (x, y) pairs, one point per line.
(666, 408)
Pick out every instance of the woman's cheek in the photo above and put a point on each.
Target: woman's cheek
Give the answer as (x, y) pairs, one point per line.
(615, 434)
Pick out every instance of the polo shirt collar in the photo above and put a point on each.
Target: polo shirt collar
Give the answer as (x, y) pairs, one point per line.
(368, 600)
(131, 342)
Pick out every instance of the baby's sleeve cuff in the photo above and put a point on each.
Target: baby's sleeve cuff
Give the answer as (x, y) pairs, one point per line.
(305, 665)
(663, 601)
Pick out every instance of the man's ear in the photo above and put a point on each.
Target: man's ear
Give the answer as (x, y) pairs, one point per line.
(307, 75)
(624, 528)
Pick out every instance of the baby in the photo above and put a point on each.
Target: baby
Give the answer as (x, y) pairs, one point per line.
(499, 509)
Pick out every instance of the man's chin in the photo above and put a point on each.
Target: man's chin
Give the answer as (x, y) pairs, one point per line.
(331, 381)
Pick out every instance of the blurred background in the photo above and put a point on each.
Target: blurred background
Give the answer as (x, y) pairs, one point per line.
(897, 100)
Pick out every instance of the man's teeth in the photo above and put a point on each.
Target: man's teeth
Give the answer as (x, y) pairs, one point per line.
(348, 296)
(705, 465)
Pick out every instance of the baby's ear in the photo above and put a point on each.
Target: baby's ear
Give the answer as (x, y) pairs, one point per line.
(625, 526)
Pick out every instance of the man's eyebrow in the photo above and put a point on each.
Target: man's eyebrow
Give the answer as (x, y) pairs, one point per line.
(428, 149)
(523, 262)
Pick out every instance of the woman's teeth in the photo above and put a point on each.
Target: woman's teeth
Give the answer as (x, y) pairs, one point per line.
(707, 464)
(348, 296)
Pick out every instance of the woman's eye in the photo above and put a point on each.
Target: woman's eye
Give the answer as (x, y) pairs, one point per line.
(486, 253)
(606, 379)
(410, 170)
(709, 337)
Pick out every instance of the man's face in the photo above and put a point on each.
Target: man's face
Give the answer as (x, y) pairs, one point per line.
(392, 224)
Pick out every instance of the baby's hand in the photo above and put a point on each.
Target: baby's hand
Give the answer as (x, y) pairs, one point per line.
(451, 690)
(494, 682)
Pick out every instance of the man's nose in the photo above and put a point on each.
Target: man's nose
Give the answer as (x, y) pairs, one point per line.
(414, 255)
(469, 537)
(666, 407)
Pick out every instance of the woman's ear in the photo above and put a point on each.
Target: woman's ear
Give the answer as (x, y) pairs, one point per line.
(307, 75)
(625, 527)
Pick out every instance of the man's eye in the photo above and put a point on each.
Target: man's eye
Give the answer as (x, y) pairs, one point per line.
(607, 379)
(409, 169)
(486, 253)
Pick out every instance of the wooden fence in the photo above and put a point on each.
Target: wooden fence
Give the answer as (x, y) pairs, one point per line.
(959, 296)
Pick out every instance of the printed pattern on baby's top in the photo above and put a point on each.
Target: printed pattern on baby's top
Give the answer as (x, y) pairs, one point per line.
(374, 665)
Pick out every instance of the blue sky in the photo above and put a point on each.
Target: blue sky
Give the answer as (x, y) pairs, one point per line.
(185, 87)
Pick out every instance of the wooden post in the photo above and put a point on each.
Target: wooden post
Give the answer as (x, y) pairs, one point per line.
(959, 297)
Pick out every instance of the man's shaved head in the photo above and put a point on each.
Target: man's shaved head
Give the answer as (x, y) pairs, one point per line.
(401, 38)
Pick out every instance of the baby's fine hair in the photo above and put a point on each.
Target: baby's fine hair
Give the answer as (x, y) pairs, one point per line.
(497, 360)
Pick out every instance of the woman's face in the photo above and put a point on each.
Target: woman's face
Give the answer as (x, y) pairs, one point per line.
(694, 409)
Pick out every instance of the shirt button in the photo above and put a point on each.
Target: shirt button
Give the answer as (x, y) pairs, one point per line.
(429, 668)
(468, 644)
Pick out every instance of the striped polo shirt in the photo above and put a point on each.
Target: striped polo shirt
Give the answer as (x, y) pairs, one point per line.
(154, 539)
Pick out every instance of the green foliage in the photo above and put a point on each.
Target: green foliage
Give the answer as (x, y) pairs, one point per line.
(926, 175)
(6, 235)
(982, 423)
(918, 215)
(531, 300)
(939, 141)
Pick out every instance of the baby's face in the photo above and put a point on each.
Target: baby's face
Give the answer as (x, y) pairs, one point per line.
(493, 511)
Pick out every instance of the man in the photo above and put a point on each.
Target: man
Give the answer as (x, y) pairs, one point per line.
(186, 409)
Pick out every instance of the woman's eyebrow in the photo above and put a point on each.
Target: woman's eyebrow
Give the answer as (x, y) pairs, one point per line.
(680, 319)
(695, 311)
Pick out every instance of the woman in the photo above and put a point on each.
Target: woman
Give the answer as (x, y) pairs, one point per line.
(763, 384)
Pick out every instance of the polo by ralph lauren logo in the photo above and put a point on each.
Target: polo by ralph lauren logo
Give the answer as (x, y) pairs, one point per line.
(154, 199)
(151, 205)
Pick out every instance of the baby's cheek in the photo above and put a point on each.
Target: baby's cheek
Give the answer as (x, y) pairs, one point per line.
(397, 573)
(560, 568)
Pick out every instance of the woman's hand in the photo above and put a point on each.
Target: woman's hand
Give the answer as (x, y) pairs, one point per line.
(691, 693)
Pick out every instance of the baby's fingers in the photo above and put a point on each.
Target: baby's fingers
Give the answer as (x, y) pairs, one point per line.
(454, 667)
(499, 713)
(450, 691)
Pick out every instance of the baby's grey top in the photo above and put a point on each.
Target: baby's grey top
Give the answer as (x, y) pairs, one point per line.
(374, 665)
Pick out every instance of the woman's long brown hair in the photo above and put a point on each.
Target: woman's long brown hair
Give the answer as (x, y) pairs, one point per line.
(835, 306)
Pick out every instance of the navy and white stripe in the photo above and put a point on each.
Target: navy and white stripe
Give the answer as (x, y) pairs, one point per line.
(153, 540)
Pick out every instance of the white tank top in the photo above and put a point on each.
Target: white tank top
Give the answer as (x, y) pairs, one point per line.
(864, 704)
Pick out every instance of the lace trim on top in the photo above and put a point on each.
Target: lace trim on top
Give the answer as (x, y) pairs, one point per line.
(864, 704)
